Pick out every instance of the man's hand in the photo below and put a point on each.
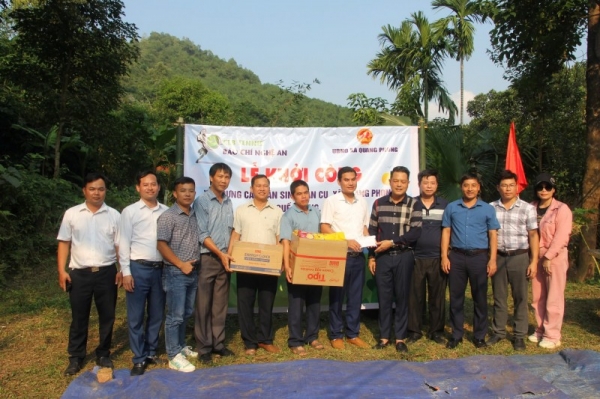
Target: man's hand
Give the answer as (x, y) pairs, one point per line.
(62, 280)
(383, 246)
(491, 267)
(532, 270)
(445, 264)
(187, 267)
(546, 266)
(119, 280)
(128, 283)
(372, 265)
(288, 274)
(353, 245)
(225, 259)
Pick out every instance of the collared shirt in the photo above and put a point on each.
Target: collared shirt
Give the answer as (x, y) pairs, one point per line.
(215, 220)
(470, 226)
(348, 217)
(93, 236)
(515, 222)
(296, 219)
(428, 244)
(137, 234)
(259, 226)
(180, 231)
(400, 222)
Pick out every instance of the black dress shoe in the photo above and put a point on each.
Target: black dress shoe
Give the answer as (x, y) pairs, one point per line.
(401, 347)
(74, 366)
(438, 338)
(453, 343)
(155, 361)
(479, 343)
(104, 361)
(381, 345)
(223, 352)
(494, 340)
(413, 337)
(519, 344)
(206, 358)
(138, 369)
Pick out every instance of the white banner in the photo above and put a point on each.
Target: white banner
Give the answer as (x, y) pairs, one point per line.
(311, 154)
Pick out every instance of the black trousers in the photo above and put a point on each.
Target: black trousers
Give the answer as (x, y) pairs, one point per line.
(471, 269)
(248, 286)
(392, 276)
(298, 296)
(428, 285)
(99, 286)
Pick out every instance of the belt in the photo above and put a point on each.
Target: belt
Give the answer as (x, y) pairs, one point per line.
(354, 254)
(212, 255)
(149, 263)
(93, 269)
(396, 252)
(513, 252)
(470, 252)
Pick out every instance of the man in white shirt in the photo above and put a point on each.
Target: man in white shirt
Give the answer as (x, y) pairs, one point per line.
(141, 265)
(349, 213)
(89, 231)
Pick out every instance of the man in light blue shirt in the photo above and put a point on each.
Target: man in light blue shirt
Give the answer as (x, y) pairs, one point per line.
(469, 226)
(301, 216)
(214, 213)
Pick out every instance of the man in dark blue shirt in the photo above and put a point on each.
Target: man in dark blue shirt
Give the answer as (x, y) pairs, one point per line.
(428, 274)
(470, 228)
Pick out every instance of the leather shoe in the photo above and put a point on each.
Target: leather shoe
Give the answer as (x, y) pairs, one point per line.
(381, 345)
(479, 343)
(519, 344)
(269, 348)
(225, 352)
(206, 358)
(401, 347)
(155, 361)
(356, 341)
(494, 340)
(453, 343)
(74, 366)
(104, 361)
(138, 369)
(413, 337)
(337, 343)
(438, 338)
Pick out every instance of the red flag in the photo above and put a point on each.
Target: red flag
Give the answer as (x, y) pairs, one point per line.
(513, 159)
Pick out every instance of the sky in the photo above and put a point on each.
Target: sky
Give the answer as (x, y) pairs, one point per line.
(299, 41)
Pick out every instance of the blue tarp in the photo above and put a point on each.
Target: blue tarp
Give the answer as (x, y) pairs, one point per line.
(568, 373)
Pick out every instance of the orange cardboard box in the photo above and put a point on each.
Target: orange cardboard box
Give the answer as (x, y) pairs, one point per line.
(318, 262)
(257, 258)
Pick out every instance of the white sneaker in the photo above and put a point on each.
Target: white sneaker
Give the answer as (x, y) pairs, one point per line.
(188, 352)
(533, 338)
(180, 363)
(544, 343)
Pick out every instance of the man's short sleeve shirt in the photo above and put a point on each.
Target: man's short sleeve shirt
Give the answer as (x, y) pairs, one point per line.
(515, 222)
(215, 219)
(259, 226)
(348, 217)
(180, 231)
(296, 219)
(470, 226)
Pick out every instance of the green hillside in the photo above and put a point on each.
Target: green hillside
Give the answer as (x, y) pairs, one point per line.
(244, 100)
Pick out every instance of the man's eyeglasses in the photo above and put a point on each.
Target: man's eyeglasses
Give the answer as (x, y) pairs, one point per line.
(543, 187)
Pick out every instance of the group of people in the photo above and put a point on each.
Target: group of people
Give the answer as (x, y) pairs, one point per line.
(178, 259)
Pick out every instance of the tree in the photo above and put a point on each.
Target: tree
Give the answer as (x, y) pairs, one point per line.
(460, 27)
(534, 39)
(411, 62)
(70, 56)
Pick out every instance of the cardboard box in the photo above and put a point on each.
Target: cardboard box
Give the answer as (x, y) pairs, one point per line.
(257, 258)
(318, 262)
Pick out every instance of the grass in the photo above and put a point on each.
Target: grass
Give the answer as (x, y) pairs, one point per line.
(35, 316)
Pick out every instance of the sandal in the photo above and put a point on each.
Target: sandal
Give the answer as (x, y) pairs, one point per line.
(317, 345)
(298, 350)
(251, 352)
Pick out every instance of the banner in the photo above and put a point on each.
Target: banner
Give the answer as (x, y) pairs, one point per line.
(311, 154)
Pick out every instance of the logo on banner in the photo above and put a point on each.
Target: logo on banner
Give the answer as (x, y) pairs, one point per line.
(364, 136)
(207, 142)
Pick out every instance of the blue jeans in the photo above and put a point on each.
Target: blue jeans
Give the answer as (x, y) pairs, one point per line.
(180, 290)
(147, 297)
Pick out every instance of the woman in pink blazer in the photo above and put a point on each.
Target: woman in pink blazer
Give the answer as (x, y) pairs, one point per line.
(548, 287)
